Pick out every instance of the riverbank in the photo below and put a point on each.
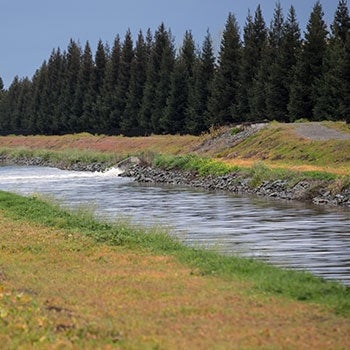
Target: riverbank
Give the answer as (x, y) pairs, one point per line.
(316, 188)
(303, 161)
(255, 182)
(67, 280)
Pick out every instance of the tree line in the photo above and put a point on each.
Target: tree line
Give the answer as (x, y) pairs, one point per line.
(147, 86)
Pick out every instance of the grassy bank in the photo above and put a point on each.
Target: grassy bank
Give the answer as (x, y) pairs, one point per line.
(277, 146)
(263, 277)
(258, 171)
(69, 281)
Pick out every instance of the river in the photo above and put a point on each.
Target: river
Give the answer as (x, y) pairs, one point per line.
(286, 234)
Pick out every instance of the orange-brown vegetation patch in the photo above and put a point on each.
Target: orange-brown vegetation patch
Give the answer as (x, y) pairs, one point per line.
(247, 163)
(92, 296)
(173, 144)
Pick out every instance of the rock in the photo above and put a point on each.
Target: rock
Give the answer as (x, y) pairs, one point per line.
(306, 190)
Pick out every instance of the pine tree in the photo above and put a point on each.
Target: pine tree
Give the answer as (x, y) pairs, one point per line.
(290, 50)
(100, 67)
(254, 43)
(69, 90)
(199, 93)
(332, 84)
(309, 68)
(341, 24)
(13, 119)
(223, 102)
(344, 109)
(97, 83)
(163, 86)
(2, 106)
(159, 69)
(257, 92)
(107, 98)
(55, 80)
(23, 107)
(85, 95)
(284, 47)
(40, 108)
(277, 94)
(124, 75)
(131, 115)
(174, 118)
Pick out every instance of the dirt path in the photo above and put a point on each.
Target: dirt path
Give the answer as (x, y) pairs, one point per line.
(65, 291)
(318, 132)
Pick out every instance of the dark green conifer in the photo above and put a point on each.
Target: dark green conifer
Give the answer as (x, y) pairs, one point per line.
(174, 118)
(100, 67)
(309, 68)
(173, 121)
(40, 108)
(223, 101)
(131, 116)
(196, 121)
(23, 105)
(277, 95)
(107, 99)
(159, 69)
(73, 59)
(344, 109)
(341, 24)
(85, 94)
(55, 85)
(332, 85)
(258, 90)
(254, 38)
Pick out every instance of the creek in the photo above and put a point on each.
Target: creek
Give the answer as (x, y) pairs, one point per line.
(285, 234)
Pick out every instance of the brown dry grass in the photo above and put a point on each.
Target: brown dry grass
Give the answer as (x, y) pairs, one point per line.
(278, 146)
(71, 293)
(120, 145)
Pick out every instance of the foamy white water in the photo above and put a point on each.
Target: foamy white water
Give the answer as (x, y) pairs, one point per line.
(53, 174)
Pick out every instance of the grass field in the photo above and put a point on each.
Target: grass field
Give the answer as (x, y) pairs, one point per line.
(69, 281)
(276, 146)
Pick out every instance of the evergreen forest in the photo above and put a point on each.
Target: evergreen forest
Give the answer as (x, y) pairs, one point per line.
(144, 85)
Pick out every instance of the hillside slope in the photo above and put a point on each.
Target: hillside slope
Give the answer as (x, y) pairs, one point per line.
(304, 146)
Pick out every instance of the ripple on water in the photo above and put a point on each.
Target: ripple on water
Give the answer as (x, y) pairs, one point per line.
(285, 234)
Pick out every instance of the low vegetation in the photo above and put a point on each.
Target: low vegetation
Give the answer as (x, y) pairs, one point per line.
(300, 286)
(68, 280)
(278, 145)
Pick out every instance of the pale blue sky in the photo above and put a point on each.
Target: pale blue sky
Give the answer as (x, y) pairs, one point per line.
(31, 29)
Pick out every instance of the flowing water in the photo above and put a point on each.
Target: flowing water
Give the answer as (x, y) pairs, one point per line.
(285, 234)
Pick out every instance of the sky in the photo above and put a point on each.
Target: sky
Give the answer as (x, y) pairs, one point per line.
(30, 30)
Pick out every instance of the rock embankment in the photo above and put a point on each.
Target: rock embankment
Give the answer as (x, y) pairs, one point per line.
(38, 161)
(306, 190)
(314, 191)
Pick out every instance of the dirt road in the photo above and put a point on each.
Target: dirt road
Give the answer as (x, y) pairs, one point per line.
(318, 132)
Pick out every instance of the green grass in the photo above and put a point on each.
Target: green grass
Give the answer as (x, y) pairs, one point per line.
(258, 173)
(280, 143)
(191, 162)
(264, 278)
(66, 157)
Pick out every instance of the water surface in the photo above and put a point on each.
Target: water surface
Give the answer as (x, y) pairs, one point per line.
(286, 234)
